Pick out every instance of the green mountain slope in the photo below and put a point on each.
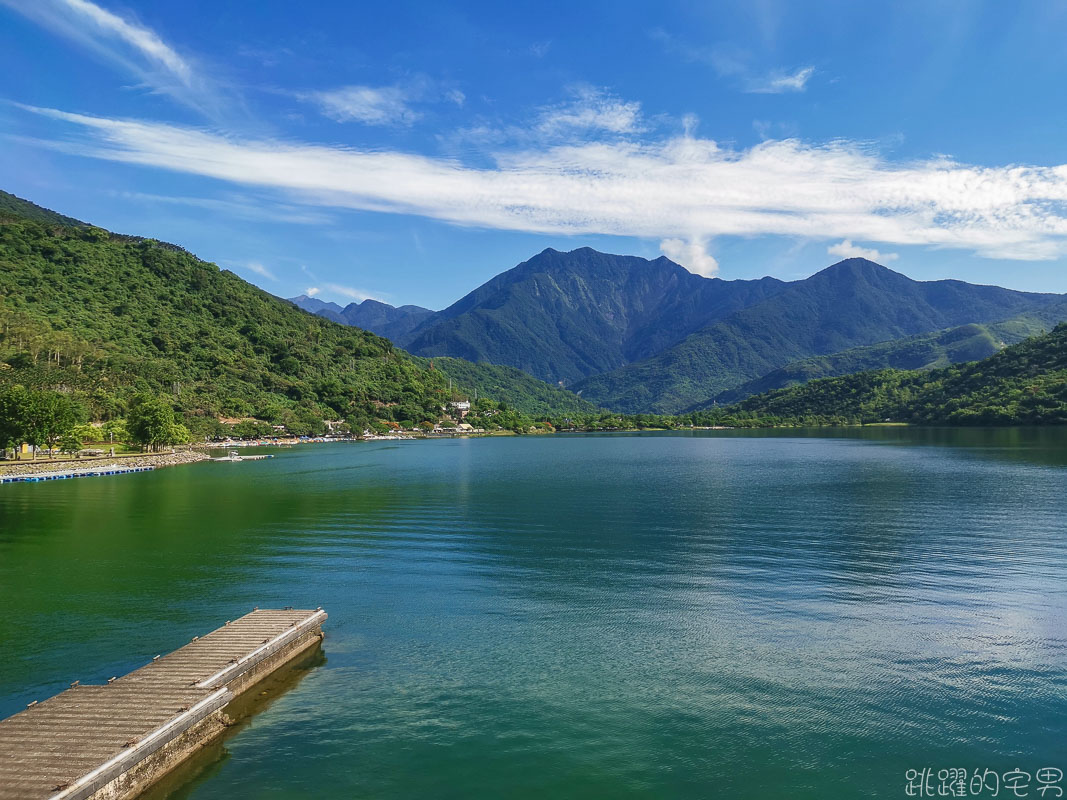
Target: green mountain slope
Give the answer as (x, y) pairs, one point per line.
(564, 316)
(10, 205)
(1025, 383)
(104, 317)
(922, 351)
(853, 303)
(511, 386)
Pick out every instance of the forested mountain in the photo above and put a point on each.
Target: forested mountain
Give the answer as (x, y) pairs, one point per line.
(640, 336)
(564, 316)
(392, 322)
(852, 303)
(10, 205)
(511, 386)
(104, 317)
(313, 305)
(923, 351)
(383, 319)
(1025, 383)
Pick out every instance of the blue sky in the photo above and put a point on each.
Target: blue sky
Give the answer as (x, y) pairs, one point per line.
(411, 151)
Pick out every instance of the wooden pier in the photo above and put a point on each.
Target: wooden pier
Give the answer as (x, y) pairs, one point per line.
(111, 742)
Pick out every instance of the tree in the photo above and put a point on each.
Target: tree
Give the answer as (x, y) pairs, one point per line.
(71, 443)
(49, 415)
(252, 429)
(179, 434)
(151, 423)
(114, 430)
(13, 407)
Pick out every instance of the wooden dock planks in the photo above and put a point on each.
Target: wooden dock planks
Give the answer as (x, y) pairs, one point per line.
(71, 745)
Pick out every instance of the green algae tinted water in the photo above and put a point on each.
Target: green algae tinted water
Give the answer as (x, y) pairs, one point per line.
(720, 614)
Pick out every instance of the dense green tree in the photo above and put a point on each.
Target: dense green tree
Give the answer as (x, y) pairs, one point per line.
(151, 423)
(14, 402)
(47, 417)
(70, 443)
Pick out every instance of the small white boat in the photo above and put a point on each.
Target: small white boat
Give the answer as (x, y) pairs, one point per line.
(236, 456)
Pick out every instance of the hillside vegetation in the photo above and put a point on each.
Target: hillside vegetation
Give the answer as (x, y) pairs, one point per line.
(851, 304)
(1024, 384)
(106, 318)
(513, 387)
(922, 351)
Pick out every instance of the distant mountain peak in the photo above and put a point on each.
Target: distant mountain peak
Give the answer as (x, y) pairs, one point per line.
(855, 265)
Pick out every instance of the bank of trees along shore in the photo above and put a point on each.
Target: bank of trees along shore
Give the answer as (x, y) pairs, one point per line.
(51, 421)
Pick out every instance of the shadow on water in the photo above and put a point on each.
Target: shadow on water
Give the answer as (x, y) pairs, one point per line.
(183, 781)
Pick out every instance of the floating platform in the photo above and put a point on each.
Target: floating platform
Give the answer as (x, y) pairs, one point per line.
(83, 472)
(244, 458)
(112, 742)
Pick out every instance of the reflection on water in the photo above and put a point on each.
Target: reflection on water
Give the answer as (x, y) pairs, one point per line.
(208, 761)
(748, 613)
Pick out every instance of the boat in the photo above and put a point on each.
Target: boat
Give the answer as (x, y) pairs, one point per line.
(235, 455)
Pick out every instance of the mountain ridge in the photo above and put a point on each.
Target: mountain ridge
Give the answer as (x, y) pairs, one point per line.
(852, 303)
(638, 335)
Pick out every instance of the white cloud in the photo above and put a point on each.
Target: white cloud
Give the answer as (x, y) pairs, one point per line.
(730, 61)
(359, 295)
(238, 207)
(779, 82)
(846, 249)
(134, 47)
(311, 291)
(675, 188)
(383, 105)
(692, 254)
(591, 110)
(258, 269)
(386, 105)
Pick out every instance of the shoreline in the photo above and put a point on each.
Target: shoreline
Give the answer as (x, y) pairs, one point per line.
(134, 460)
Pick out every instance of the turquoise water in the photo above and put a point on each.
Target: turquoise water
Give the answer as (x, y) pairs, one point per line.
(730, 614)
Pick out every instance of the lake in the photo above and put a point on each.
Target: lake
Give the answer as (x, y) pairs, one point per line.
(747, 614)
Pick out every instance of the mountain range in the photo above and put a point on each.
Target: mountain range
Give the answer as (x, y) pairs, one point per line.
(637, 335)
(371, 315)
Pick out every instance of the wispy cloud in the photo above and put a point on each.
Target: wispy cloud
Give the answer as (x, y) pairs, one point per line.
(730, 62)
(242, 208)
(258, 269)
(134, 47)
(385, 105)
(681, 187)
(351, 293)
(591, 109)
(311, 291)
(778, 82)
(846, 249)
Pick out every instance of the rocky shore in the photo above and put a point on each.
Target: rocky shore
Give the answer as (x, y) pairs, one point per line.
(45, 465)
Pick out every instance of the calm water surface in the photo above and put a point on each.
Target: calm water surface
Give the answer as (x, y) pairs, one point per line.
(720, 614)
